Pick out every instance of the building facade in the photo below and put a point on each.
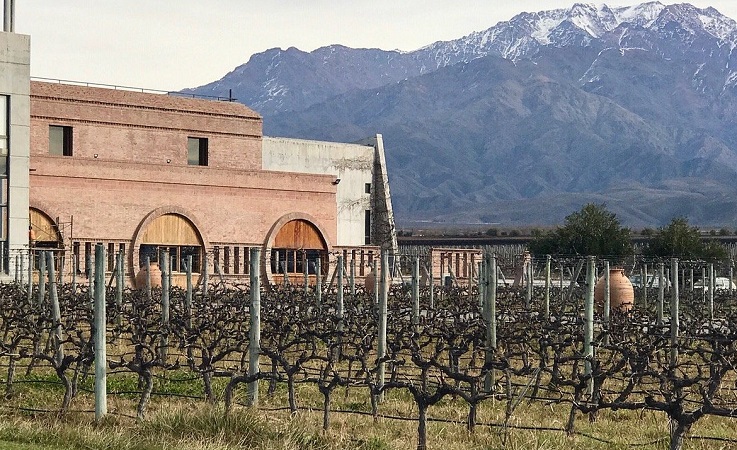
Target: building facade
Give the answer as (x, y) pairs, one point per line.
(145, 172)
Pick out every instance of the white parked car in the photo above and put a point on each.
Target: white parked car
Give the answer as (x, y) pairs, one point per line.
(719, 283)
(653, 281)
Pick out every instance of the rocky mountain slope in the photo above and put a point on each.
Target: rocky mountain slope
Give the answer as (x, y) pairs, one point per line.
(524, 122)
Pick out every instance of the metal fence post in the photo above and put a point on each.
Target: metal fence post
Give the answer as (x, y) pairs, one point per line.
(674, 317)
(120, 282)
(383, 294)
(546, 310)
(490, 317)
(55, 309)
(318, 282)
(30, 275)
(431, 283)
(482, 279)
(100, 338)
(661, 293)
(607, 300)
(711, 291)
(588, 348)
(254, 345)
(339, 306)
(530, 283)
(352, 280)
(644, 279)
(41, 294)
(416, 291)
(164, 305)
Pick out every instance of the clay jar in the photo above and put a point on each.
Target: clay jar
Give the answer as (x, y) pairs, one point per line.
(368, 282)
(155, 276)
(370, 279)
(621, 293)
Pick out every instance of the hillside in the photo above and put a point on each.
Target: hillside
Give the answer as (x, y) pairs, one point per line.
(525, 121)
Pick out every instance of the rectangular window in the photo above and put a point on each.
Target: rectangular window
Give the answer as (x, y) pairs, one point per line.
(197, 151)
(236, 260)
(367, 227)
(226, 260)
(149, 251)
(177, 256)
(367, 188)
(110, 257)
(60, 140)
(192, 251)
(312, 257)
(75, 257)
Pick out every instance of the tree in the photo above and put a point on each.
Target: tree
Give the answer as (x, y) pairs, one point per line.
(592, 231)
(713, 251)
(679, 239)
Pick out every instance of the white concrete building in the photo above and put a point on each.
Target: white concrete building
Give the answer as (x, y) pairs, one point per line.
(364, 207)
(15, 119)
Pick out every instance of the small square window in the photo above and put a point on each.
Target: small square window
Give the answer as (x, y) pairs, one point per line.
(60, 140)
(367, 188)
(197, 151)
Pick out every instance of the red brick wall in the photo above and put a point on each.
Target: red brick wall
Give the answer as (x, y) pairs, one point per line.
(149, 128)
(110, 199)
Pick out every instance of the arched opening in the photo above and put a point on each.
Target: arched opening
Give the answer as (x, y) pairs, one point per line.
(44, 232)
(177, 235)
(298, 245)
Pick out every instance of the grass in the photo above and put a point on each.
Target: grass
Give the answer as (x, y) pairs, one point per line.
(194, 424)
(190, 423)
(15, 446)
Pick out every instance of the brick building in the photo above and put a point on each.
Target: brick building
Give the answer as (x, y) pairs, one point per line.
(145, 172)
(142, 172)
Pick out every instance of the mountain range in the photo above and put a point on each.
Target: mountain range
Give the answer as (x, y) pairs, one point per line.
(523, 123)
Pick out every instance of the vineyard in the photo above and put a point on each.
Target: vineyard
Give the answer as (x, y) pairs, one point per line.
(674, 353)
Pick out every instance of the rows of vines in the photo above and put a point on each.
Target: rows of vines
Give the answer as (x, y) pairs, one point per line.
(442, 354)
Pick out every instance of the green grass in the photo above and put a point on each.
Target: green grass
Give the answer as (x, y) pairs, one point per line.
(15, 446)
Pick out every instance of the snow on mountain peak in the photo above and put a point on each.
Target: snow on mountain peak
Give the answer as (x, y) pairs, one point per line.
(592, 19)
(642, 15)
(588, 21)
(523, 35)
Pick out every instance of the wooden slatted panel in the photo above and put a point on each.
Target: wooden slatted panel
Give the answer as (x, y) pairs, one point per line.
(171, 229)
(299, 234)
(43, 227)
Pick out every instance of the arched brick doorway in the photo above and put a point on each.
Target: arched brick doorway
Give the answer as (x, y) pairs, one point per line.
(295, 244)
(172, 231)
(44, 231)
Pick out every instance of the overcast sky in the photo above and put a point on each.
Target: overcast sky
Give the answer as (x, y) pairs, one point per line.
(174, 44)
